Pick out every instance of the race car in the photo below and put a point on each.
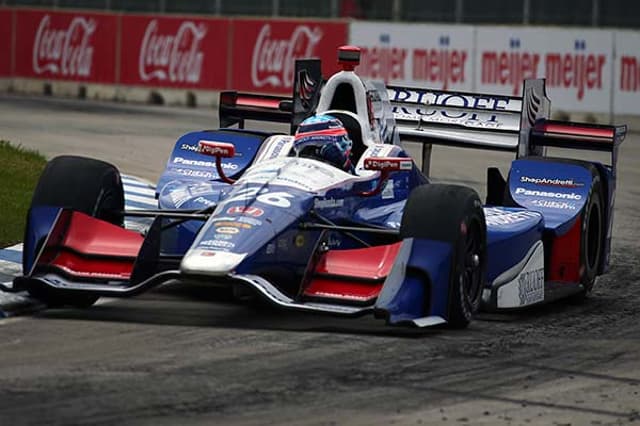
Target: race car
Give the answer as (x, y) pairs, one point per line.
(240, 209)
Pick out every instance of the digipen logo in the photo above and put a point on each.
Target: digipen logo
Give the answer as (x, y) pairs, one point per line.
(509, 68)
(578, 71)
(273, 60)
(441, 66)
(172, 57)
(64, 51)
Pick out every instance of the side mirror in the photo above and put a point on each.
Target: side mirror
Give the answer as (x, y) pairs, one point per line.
(385, 165)
(218, 150)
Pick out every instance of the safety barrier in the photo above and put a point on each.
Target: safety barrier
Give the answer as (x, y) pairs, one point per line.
(587, 70)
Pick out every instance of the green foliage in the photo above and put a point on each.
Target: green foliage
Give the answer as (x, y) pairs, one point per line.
(20, 169)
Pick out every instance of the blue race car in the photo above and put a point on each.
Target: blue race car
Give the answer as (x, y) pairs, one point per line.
(245, 210)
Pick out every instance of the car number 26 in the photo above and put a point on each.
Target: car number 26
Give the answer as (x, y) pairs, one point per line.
(276, 199)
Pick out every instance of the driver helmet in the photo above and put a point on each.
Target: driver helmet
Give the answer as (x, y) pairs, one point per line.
(324, 138)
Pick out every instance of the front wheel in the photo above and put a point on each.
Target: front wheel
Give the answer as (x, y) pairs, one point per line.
(453, 214)
(82, 184)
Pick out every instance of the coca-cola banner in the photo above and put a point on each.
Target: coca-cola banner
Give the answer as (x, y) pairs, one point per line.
(5, 42)
(174, 52)
(265, 51)
(434, 56)
(68, 46)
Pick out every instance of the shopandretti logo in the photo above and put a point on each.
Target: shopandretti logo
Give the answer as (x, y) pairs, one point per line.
(565, 183)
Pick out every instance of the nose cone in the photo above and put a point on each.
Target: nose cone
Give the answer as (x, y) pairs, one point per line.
(210, 262)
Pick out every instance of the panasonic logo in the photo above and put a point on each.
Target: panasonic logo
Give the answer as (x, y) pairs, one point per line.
(558, 195)
(200, 163)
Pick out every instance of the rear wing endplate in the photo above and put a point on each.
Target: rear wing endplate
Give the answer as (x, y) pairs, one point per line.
(236, 107)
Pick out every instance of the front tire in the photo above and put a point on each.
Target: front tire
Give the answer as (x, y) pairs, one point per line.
(453, 214)
(86, 185)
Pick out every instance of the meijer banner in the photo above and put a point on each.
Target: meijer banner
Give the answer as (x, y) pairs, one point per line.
(578, 64)
(434, 56)
(626, 87)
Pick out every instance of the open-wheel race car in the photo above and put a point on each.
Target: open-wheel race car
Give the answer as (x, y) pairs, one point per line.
(246, 210)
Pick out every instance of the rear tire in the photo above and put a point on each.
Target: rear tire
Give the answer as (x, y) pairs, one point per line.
(86, 185)
(592, 236)
(453, 213)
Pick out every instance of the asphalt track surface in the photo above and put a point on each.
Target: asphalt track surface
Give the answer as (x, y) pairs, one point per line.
(186, 355)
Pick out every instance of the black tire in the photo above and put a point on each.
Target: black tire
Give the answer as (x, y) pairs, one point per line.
(454, 214)
(592, 237)
(90, 186)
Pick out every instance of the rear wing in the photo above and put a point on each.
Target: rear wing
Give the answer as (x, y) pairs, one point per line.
(505, 123)
(236, 107)
(456, 118)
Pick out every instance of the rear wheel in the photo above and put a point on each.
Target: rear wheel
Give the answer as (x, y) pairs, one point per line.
(83, 184)
(453, 214)
(592, 236)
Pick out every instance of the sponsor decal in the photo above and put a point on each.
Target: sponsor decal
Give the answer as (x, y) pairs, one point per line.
(217, 149)
(496, 216)
(201, 163)
(204, 201)
(531, 286)
(187, 147)
(175, 57)
(201, 189)
(283, 244)
(207, 253)
(217, 243)
(435, 115)
(195, 173)
(444, 99)
(558, 195)
(232, 224)
(388, 164)
(246, 210)
(64, 51)
(387, 191)
(227, 230)
(223, 237)
(551, 204)
(565, 183)
(273, 60)
(328, 203)
(270, 249)
(179, 196)
(527, 287)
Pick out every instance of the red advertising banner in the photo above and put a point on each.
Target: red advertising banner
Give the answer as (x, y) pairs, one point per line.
(265, 51)
(174, 52)
(5, 42)
(67, 46)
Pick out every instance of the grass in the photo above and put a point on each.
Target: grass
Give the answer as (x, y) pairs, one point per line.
(20, 169)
